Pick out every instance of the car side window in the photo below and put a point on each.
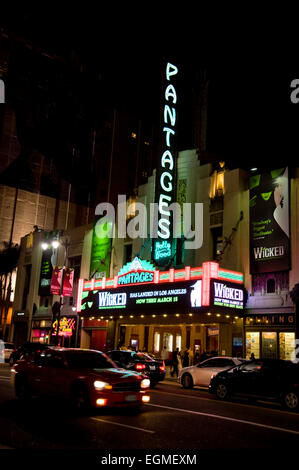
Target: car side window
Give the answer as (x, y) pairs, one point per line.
(226, 363)
(125, 358)
(115, 355)
(251, 367)
(211, 363)
(49, 359)
(42, 358)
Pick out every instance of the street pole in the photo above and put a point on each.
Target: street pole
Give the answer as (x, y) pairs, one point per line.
(65, 245)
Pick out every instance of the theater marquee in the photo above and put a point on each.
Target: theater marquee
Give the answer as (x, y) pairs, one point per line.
(182, 290)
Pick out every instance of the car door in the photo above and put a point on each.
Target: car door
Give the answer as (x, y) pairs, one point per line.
(204, 371)
(50, 377)
(244, 379)
(266, 380)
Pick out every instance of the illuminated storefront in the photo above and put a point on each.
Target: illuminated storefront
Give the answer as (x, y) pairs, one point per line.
(270, 335)
(195, 308)
(269, 320)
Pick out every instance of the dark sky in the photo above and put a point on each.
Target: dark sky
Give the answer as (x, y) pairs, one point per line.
(251, 118)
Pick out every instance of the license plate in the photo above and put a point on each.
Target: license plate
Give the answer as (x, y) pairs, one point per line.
(152, 367)
(131, 398)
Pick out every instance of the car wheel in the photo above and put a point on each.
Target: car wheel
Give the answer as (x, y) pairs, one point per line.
(22, 389)
(291, 401)
(187, 381)
(222, 391)
(80, 398)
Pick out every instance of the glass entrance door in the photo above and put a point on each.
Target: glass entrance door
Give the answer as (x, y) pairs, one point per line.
(269, 345)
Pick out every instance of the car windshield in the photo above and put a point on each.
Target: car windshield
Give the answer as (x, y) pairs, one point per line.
(8, 346)
(88, 360)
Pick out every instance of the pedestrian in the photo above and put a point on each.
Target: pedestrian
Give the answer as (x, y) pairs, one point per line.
(252, 357)
(175, 363)
(186, 358)
(203, 356)
(196, 358)
(191, 356)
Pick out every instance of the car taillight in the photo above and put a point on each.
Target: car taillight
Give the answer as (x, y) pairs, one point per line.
(140, 366)
(162, 368)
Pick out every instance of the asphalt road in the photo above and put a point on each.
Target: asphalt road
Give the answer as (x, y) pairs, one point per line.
(175, 419)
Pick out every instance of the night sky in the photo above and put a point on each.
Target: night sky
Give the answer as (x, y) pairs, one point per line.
(251, 121)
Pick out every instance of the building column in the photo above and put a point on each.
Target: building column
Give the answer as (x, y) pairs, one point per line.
(151, 339)
(128, 336)
(85, 339)
(225, 339)
(184, 338)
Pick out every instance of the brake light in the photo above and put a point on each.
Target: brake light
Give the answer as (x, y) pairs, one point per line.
(162, 368)
(140, 366)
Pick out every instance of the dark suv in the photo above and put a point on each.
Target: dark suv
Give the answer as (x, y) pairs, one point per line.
(266, 379)
(140, 362)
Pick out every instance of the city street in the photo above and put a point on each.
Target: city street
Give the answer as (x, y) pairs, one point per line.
(175, 419)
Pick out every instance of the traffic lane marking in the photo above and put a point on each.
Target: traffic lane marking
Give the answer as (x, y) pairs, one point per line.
(124, 425)
(215, 400)
(226, 418)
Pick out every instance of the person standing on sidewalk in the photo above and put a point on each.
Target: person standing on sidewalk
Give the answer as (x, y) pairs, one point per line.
(175, 363)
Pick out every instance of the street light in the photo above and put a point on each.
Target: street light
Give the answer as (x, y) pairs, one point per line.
(55, 244)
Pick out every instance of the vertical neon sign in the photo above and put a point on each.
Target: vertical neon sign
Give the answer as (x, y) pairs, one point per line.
(165, 179)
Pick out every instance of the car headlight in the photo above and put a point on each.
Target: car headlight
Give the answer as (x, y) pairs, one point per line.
(99, 385)
(145, 383)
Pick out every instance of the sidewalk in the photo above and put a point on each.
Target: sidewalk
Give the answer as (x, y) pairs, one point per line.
(168, 377)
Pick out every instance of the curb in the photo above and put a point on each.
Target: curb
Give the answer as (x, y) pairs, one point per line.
(4, 365)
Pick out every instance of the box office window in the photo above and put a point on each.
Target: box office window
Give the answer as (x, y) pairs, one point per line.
(178, 342)
(168, 341)
(156, 342)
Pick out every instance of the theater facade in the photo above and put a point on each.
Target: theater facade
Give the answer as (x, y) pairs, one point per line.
(197, 308)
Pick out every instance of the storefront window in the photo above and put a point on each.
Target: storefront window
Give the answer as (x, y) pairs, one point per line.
(287, 346)
(168, 341)
(269, 345)
(156, 342)
(178, 342)
(252, 344)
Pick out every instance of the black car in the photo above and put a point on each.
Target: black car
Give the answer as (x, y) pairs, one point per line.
(139, 362)
(266, 379)
(26, 350)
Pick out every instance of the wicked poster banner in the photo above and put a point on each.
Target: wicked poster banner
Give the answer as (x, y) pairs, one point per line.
(269, 221)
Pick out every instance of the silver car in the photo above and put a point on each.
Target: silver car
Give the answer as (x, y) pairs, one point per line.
(6, 349)
(200, 374)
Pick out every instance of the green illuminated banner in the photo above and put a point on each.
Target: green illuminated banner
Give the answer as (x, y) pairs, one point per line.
(100, 251)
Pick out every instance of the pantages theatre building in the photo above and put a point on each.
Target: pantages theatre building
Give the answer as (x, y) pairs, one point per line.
(231, 293)
(213, 298)
(157, 293)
